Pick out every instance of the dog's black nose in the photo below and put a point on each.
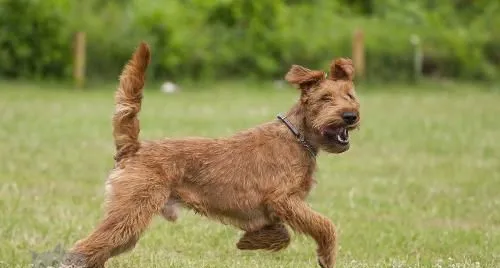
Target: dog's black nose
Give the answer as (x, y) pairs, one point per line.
(350, 117)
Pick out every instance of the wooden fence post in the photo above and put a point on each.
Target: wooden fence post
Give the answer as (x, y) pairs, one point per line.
(358, 53)
(418, 57)
(79, 60)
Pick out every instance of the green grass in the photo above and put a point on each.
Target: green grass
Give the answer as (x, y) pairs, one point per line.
(420, 186)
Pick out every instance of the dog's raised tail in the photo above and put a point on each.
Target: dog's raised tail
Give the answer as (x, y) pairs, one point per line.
(128, 99)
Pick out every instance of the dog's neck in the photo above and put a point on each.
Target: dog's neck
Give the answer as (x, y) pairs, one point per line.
(296, 117)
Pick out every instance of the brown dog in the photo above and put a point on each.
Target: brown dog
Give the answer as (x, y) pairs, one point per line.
(256, 180)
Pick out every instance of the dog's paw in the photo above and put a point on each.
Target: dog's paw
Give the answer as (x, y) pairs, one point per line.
(325, 262)
(321, 263)
(73, 260)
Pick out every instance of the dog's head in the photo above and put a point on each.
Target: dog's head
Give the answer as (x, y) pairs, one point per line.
(330, 105)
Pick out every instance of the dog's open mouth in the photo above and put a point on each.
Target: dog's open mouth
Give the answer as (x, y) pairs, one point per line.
(339, 135)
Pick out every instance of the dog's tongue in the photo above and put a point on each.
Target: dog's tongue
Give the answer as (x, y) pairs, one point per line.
(341, 133)
(329, 132)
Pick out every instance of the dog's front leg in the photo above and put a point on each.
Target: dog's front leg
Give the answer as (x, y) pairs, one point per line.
(302, 218)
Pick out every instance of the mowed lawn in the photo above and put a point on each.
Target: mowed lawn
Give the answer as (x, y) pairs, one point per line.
(420, 186)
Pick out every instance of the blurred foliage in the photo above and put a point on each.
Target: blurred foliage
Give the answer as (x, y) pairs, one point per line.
(210, 39)
(32, 42)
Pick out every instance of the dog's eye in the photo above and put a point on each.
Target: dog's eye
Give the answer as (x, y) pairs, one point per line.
(326, 97)
(350, 96)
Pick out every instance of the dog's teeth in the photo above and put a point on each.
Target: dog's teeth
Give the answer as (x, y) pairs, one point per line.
(340, 138)
(343, 136)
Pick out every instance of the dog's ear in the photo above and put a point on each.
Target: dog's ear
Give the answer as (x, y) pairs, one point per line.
(342, 69)
(303, 77)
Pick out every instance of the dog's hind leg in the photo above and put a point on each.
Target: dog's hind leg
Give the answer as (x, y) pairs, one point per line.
(272, 237)
(133, 200)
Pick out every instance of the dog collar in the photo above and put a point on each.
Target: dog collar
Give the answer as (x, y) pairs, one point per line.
(297, 134)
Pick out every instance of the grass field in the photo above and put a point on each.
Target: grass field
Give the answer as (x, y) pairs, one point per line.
(420, 186)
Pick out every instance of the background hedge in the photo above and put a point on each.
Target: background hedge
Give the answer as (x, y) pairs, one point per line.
(201, 39)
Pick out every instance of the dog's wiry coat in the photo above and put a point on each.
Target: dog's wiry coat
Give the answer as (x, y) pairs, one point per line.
(256, 180)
